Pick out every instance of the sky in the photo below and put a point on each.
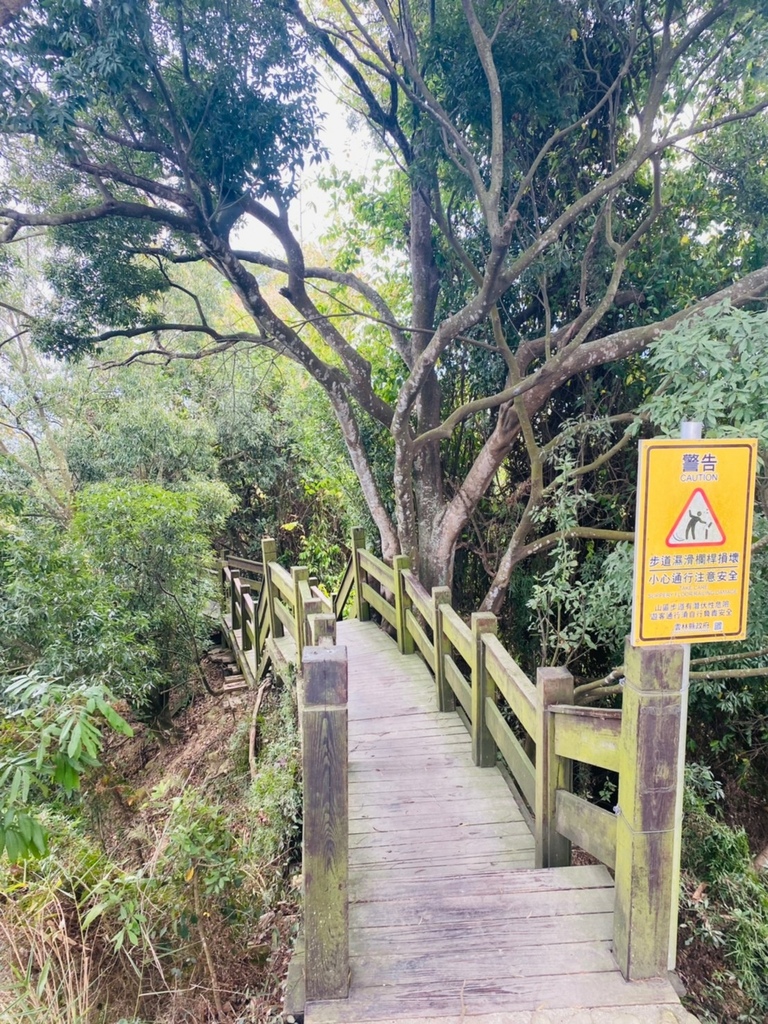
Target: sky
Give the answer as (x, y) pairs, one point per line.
(348, 149)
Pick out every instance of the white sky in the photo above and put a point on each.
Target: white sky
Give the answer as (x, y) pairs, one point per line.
(348, 149)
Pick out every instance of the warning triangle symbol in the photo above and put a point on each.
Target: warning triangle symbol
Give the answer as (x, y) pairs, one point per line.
(697, 525)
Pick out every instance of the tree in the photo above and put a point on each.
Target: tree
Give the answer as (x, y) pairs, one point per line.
(538, 151)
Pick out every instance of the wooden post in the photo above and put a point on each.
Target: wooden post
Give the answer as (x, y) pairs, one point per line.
(405, 642)
(446, 699)
(299, 575)
(326, 822)
(361, 605)
(483, 745)
(553, 686)
(649, 756)
(322, 630)
(245, 642)
(269, 554)
(234, 603)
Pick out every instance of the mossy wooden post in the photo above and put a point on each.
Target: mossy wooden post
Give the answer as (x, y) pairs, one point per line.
(326, 822)
(553, 686)
(299, 575)
(649, 754)
(483, 745)
(322, 630)
(234, 608)
(269, 554)
(245, 641)
(362, 607)
(405, 644)
(446, 699)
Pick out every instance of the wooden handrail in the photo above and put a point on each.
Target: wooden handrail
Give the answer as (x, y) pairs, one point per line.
(473, 670)
(281, 579)
(244, 564)
(380, 571)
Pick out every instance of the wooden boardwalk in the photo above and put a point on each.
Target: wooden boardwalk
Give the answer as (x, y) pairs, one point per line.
(449, 921)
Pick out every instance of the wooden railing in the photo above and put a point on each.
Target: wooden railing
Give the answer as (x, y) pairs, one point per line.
(531, 730)
(536, 733)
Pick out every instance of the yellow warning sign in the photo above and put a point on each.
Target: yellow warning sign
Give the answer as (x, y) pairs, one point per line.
(693, 541)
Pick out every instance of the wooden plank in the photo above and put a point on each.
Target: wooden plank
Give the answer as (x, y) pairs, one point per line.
(284, 615)
(563, 959)
(381, 877)
(512, 751)
(511, 831)
(458, 683)
(474, 997)
(493, 906)
(593, 876)
(513, 684)
(540, 931)
(404, 822)
(457, 633)
(375, 600)
(379, 809)
(420, 598)
(388, 728)
(360, 749)
(592, 738)
(420, 637)
(378, 569)
(345, 590)
(590, 827)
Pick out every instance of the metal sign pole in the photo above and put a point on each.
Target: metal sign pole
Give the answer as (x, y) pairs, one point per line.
(689, 431)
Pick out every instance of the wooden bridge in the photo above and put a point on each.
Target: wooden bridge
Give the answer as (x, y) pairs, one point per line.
(439, 812)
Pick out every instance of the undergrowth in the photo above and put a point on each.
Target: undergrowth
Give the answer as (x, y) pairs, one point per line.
(724, 912)
(178, 919)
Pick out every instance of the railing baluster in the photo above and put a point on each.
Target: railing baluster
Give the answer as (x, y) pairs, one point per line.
(553, 686)
(269, 554)
(483, 745)
(446, 699)
(405, 644)
(361, 605)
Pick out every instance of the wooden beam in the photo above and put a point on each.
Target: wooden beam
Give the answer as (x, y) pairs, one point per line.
(269, 554)
(553, 686)
(446, 701)
(591, 737)
(326, 822)
(646, 873)
(483, 745)
(401, 564)
(590, 827)
(358, 545)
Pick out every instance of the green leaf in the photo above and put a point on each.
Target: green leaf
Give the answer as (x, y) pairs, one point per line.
(95, 912)
(74, 747)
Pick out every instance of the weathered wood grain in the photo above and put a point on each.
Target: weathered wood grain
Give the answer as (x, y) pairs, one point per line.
(590, 827)
(326, 820)
(472, 997)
